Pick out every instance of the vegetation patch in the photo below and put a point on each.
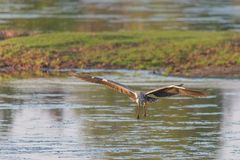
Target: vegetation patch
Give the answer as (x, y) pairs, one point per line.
(10, 34)
(171, 52)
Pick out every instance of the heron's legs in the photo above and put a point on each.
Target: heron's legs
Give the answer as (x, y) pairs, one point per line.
(138, 111)
(145, 109)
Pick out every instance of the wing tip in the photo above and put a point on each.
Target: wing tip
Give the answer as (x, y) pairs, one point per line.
(204, 94)
(193, 93)
(199, 94)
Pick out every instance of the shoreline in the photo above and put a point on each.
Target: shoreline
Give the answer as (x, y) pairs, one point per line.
(229, 73)
(176, 53)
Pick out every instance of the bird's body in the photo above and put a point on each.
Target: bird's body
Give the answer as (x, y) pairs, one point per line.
(139, 97)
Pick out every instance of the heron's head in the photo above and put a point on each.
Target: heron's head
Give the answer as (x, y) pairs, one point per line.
(140, 99)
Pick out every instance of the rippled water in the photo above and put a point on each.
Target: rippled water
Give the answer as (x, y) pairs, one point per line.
(95, 15)
(66, 118)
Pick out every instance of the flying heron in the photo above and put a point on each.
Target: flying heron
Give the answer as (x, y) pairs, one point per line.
(142, 98)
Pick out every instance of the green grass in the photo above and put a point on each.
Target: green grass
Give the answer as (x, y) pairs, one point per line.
(176, 51)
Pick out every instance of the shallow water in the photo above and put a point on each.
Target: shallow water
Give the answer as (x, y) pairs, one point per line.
(66, 118)
(106, 15)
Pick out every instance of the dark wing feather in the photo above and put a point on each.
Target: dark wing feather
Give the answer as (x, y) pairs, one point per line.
(111, 84)
(151, 99)
(173, 90)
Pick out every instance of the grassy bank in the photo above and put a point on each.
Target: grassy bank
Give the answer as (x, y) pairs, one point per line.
(173, 52)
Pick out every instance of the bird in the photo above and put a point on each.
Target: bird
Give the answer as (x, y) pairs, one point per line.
(139, 97)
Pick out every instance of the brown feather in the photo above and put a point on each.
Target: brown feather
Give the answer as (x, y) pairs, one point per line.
(111, 84)
(173, 90)
(192, 93)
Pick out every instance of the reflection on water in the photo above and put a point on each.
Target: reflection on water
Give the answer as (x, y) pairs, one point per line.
(95, 15)
(65, 118)
(231, 124)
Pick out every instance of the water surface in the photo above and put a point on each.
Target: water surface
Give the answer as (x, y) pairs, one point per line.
(66, 118)
(114, 15)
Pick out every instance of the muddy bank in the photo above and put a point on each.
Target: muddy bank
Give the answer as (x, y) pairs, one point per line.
(216, 71)
(6, 34)
(209, 71)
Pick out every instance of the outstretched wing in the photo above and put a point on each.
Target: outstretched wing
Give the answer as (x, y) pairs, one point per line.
(114, 85)
(173, 90)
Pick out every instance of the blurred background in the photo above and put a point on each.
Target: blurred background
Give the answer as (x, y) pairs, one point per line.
(115, 15)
